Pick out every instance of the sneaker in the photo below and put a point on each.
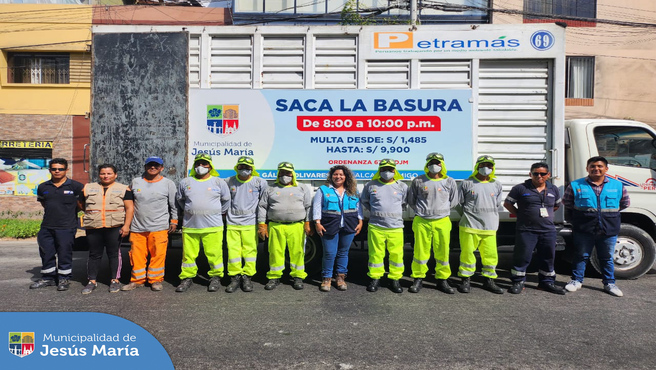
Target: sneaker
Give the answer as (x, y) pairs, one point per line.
(214, 285)
(184, 285)
(156, 287)
(42, 283)
(272, 284)
(551, 288)
(443, 286)
(395, 286)
(89, 288)
(416, 286)
(63, 285)
(298, 284)
(373, 285)
(490, 285)
(246, 283)
(465, 286)
(613, 290)
(516, 288)
(573, 286)
(131, 286)
(115, 287)
(235, 281)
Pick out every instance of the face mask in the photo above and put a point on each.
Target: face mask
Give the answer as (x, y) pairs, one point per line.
(387, 175)
(245, 173)
(285, 180)
(434, 168)
(485, 171)
(202, 171)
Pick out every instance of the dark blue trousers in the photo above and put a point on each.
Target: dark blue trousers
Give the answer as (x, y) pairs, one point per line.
(525, 243)
(56, 251)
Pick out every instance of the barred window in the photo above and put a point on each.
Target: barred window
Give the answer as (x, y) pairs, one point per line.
(575, 8)
(38, 68)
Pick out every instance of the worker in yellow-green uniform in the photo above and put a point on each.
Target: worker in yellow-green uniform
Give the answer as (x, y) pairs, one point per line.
(480, 199)
(432, 196)
(385, 197)
(286, 205)
(246, 190)
(204, 198)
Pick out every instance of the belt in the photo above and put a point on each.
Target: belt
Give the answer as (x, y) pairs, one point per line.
(286, 223)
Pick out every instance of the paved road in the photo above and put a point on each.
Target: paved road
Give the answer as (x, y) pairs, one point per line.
(287, 329)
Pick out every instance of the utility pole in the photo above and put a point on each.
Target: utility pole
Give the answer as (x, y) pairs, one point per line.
(413, 13)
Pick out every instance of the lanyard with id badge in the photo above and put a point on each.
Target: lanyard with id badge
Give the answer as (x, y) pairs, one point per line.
(543, 208)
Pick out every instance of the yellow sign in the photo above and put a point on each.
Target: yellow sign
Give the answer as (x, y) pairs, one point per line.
(25, 144)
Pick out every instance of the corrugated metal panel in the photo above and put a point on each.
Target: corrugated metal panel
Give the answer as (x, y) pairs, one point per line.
(231, 62)
(513, 111)
(194, 60)
(282, 62)
(80, 68)
(451, 74)
(387, 74)
(335, 62)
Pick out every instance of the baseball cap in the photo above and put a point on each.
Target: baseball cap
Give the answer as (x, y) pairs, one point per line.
(154, 159)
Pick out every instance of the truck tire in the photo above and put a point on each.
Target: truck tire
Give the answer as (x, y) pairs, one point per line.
(634, 255)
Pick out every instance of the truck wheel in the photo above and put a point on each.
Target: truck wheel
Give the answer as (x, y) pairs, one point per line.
(634, 255)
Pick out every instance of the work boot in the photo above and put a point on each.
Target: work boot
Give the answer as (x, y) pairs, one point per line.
(42, 283)
(298, 284)
(131, 286)
(416, 286)
(516, 288)
(465, 286)
(246, 283)
(234, 283)
(395, 286)
(443, 286)
(551, 288)
(489, 284)
(63, 285)
(341, 283)
(184, 285)
(214, 285)
(156, 287)
(272, 284)
(373, 285)
(325, 284)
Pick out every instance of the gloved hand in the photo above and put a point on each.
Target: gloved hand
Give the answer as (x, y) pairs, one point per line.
(262, 231)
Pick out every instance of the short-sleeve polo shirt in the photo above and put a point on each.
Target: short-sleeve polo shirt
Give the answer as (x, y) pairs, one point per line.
(59, 204)
(529, 202)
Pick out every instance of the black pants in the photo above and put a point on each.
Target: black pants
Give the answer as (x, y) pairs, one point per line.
(99, 240)
(525, 243)
(56, 251)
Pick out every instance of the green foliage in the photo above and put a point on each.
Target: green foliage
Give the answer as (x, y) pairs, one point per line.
(19, 228)
(351, 16)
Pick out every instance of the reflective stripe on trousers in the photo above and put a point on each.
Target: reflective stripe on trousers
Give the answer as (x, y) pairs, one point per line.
(379, 238)
(487, 248)
(291, 236)
(212, 246)
(435, 234)
(154, 244)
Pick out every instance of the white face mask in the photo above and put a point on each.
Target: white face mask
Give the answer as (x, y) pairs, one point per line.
(485, 171)
(284, 180)
(202, 171)
(245, 173)
(387, 175)
(434, 168)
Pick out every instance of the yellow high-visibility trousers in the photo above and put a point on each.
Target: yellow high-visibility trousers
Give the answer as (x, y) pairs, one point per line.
(242, 246)
(435, 234)
(291, 236)
(486, 244)
(379, 238)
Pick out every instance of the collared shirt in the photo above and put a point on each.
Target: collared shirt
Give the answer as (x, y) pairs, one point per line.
(568, 197)
(59, 204)
(529, 202)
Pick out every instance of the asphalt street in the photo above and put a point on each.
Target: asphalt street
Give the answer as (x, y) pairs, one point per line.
(308, 329)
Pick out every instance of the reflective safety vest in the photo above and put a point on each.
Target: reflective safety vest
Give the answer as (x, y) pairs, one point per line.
(332, 210)
(594, 213)
(104, 209)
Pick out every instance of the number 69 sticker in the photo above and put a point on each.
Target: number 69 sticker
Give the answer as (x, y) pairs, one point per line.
(542, 40)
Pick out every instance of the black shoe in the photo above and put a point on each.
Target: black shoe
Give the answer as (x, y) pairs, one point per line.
(214, 285)
(298, 284)
(42, 283)
(246, 283)
(443, 286)
(63, 285)
(516, 288)
(373, 285)
(272, 284)
(489, 284)
(416, 286)
(465, 286)
(90, 287)
(395, 286)
(184, 285)
(235, 281)
(551, 288)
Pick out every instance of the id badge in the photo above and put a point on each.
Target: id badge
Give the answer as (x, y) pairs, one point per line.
(544, 212)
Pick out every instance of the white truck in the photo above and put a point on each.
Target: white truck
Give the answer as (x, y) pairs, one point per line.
(324, 95)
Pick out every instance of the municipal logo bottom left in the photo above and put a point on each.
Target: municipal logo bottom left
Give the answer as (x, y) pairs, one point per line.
(21, 344)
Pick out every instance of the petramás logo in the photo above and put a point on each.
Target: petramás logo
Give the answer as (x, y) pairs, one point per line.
(393, 40)
(223, 119)
(417, 42)
(21, 344)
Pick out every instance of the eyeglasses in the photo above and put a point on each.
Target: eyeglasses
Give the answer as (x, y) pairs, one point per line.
(57, 169)
(540, 174)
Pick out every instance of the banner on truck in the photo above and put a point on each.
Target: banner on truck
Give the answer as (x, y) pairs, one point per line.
(317, 129)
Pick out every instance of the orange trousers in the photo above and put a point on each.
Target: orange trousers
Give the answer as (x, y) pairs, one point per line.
(155, 244)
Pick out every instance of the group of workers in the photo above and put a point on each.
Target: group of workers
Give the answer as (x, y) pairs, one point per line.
(146, 210)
